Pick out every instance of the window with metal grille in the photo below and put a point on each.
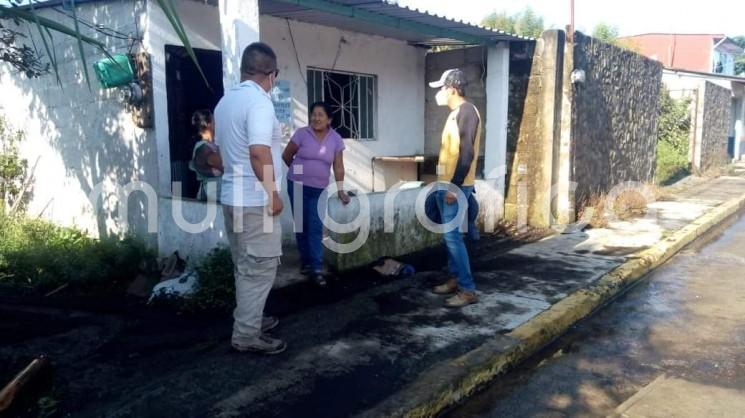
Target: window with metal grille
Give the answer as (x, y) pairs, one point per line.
(353, 101)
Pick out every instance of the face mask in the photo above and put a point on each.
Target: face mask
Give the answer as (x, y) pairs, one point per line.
(441, 98)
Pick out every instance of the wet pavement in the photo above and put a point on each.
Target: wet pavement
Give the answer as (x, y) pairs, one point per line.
(350, 346)
(674, 346)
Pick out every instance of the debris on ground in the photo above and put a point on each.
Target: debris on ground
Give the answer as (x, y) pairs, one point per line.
(389, 267)
(181, 286)
(22, 383)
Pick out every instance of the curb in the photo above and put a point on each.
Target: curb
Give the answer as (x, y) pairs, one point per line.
(454, 380)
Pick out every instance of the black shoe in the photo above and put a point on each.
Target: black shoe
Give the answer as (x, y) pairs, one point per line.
(318, 279)
(305, 270)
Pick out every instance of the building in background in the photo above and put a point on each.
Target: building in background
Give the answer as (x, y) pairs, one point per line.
(708, 53)
(367, 59)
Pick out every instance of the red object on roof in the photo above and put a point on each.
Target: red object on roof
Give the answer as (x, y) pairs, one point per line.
(691, 52)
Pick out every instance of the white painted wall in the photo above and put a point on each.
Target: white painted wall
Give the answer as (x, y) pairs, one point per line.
(495, 129)
(202, 23)
(85, 139)
(82, 138)
(239, 26)
(400, 71)
(399, 67)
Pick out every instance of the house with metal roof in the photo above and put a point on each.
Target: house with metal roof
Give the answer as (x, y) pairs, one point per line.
(116, 160)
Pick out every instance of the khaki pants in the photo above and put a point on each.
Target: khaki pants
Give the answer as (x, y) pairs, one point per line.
(255, 255)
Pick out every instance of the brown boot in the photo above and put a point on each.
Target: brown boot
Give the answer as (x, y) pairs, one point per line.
(446, 288)
(461, 299)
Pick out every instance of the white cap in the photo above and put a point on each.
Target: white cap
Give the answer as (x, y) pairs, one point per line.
(451, 78)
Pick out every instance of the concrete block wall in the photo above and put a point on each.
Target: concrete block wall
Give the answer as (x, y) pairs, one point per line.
(473, 62)
(521, 65)
(528, 191)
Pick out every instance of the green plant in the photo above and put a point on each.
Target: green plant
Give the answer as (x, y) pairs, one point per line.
(610, 34)
(24, 12)
(216, 290)
(673, 132)
(605, 32)
(13, 169)
(526, 22)
(42, 256)
(740, 60)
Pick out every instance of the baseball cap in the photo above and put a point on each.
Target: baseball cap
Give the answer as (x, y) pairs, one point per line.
(451, 78)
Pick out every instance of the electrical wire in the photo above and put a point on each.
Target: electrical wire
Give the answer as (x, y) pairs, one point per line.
(338, 52)
(297, 57)
(109, 32)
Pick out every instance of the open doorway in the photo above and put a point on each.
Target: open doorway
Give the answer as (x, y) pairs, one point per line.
(187, 93)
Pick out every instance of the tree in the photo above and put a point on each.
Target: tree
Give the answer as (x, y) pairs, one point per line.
(609, 34)
(20, 56)
(525, 23)
(605, 32)
(501, 21)
(740, 61)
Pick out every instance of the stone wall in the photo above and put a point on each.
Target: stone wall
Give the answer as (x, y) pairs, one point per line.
(614, 117)
(575, 139)
(717, 113)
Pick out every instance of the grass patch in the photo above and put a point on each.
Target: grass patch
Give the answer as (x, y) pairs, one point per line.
(42, 256)
(216, 289)
(598, 211)
(672, 163)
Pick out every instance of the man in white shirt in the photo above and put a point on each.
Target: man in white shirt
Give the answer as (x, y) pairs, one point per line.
(248, 134)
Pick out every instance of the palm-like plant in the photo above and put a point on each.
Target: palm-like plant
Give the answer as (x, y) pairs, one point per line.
(25, 11)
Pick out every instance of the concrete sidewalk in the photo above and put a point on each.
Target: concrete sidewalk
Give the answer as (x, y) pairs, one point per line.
(676, 397)
(369, 352)
(394, 349)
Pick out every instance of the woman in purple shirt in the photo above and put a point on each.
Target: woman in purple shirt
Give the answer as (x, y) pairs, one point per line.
(311, 153)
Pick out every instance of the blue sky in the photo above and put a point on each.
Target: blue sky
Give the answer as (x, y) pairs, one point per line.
(631, 16)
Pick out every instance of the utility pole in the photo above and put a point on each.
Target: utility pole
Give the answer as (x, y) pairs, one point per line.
(570, 32)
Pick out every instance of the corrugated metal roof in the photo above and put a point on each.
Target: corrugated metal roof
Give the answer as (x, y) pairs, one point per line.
(412, 25)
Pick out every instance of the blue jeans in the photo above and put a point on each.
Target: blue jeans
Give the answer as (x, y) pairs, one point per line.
(309, 240)
(473, 213)
(458, 262)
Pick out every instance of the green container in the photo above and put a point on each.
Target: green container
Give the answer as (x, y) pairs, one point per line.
(114, 73)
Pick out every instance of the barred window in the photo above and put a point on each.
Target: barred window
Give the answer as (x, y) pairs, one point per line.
(353, 101)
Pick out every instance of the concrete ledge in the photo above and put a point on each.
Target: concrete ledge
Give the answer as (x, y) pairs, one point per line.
(451, 381)
(407, 235)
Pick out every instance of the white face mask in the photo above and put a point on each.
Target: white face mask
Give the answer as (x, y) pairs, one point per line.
(441, 98)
